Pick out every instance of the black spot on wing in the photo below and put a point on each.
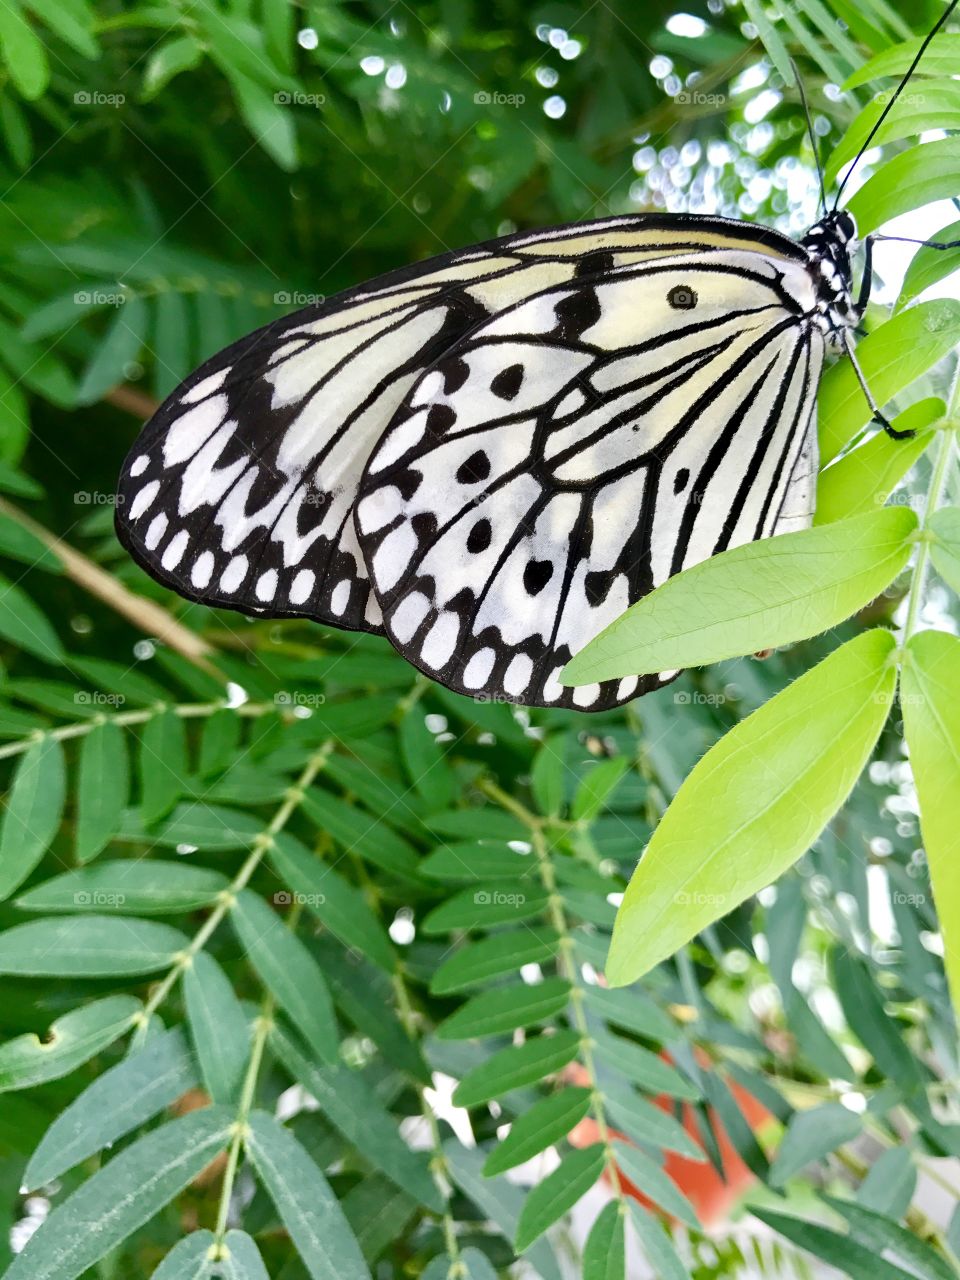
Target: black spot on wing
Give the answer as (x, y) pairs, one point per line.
(536, 575)
(475, 469)
(508, 382)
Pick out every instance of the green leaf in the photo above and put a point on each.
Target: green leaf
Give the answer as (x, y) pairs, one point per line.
(307, 1207)
(757, 596)
(20, 544)
(288, 971)
(891, 359)
(123, 1195)
(940, 59)
(116, 350)
(864, 1009)
(163, 765)
(477, 860)
(189, 1259)
(22, 623)
(657, 1245)
(73, 1039)
(486, 908)
(641, 1067)
(425, 761)
(810, 1136)
(890, 1183)
(548, 776)
(863, 479)
(32, 815)
(73, 22)
(269, 118)
(931, 721)
(645, 1173)
(361, 833)
(932, 106)
(218, 1027)
(491, 957)
(644, 1122)
(209, 827)
(332, 899)
(545, 1123)
(929, 266)
(598, 785)
(103, 789)
(908, 181)
(117, 1102)
(770, 785)
(944, 525)
(891, 1241)
(90, 946)
(169, 60)
(631, 1010)
(505, 1009)
(23, 52)
(516, 1066)
(853, 1259)
(771, 39)
(147, 887)
(242, 1260)
(558, 1193)
(349, 1104)
(604, 1254)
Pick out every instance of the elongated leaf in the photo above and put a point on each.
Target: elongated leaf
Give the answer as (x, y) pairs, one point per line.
(604, 1253)
(771, 39)
(289, 971)
(892, 1241)
(20, 544)
(103, 789)
(119, 347)
(208, 826)
(89, 946)
(842, 1252)
(189, 1259)
(931, 720)
(631, 1010)
(558, 1193)
(649, 1176)
(753, 597)
(516, 1066)
(361, 833)
(945, 548)
(242, 1261)
(646, 1069)
(123, 1195)
(218, 1026)
(72, 1040)
(496, 1012)
(930, 265)
(810, 1136)
(163, 765)
(909, 180)
(33, 812)
(149, 887)
(891, 358)
(865, 1011)
(770, 786)
(478, 860)
(864, 479)
(934, 106)
(23, 52)
(348, 1103)
(307, 1207)
(889, 1186)
(644, 1122)
(597, 786)
(940, 59)
(487, 907)
(116, 1103)
(490, 957)
(657, 1245)
(425, 760)
(545, 1123)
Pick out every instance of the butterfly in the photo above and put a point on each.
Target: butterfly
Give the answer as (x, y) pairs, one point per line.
(490, 455)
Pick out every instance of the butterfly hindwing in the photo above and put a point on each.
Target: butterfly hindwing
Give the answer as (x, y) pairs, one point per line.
(574, 451)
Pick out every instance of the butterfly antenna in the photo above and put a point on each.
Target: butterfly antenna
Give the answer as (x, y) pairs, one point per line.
(812, 133)
(925, 44)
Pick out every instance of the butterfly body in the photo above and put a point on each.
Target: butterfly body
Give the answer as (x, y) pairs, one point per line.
(489, 456)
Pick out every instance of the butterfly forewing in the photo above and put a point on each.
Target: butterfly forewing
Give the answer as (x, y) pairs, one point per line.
(574, 451)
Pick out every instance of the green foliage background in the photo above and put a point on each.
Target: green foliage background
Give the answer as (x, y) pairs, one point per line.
(240, 856)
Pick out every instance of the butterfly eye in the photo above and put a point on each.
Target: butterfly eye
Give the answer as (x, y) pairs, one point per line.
(682, 298)
(846, 225)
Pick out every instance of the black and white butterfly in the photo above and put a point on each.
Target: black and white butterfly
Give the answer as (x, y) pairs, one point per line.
(490, 455)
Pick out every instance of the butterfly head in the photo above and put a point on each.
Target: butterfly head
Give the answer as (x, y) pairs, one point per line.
(831, 244)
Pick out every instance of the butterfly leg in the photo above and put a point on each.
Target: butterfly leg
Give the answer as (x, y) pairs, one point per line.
(878, 417)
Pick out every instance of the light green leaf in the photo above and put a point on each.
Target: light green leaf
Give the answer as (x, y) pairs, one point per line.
(646, 1123)
(645, 1173)
(32, 814)
(771, 39)
(163, 765)
(72, 21)
(242, 1261)
(863, 479)
(120, 1197)
(891, 1241)
(72, 1040)
(103, 789)
(558, 1193)
(169, 60)
(757, 596)
(546, 1122)
(770, 785)
(288, 971)
(117, 1102)
(548, 776)
(505, 1009)
(810, 1136)
(93, 946)
(891, 359)
(931, 721)
(147, 887)
(944, 525)
(604, 1254)
(598, 785)
(490, 957)
(932, 105)
(218, 1026)
(269, 117)
(23, 52)
(929, 266)
(22, 623)
(516, 1066)
(307, 1207)
(189, 1259)
(940, 59)
(908, 181)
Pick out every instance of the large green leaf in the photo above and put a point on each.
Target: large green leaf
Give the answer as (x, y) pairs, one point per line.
(516, 1066)
(603, 1254)
(935, 106)
(33, 810)
(505, 1009)
(147, 887)
(757, 596)
(103, 789)
(89, 946)
(545, 1123)
(769, 786)
(218, 1027)
(559, 1192)
(72, 1039)
(940, 59)
(909, 180)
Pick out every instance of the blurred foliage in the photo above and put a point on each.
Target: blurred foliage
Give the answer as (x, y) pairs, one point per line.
(285, 859)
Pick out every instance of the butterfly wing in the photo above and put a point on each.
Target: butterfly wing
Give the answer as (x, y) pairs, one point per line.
(575, 451)
(240, 491)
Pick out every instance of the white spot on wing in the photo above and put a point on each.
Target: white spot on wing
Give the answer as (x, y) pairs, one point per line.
(267, 585)
(206, 387)
(441, 640)
(143, 499)
(517, 675)
(586, 695)
(410, 613)
(139, 465)
(477, 671)
(340, 597)
(202, 570)
(158, 527)
(175, 549)
(302, 586)
(190, 432)
(394, 555)
(234, 573)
